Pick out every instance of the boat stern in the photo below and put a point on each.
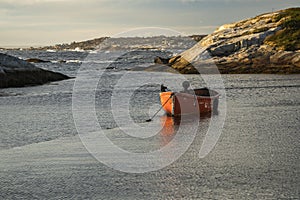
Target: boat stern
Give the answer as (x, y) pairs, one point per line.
(166, 100)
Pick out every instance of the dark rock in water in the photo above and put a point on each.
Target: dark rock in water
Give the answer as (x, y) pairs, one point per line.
(166, 61)
(160, 60)
(36, 60)
(15, 72)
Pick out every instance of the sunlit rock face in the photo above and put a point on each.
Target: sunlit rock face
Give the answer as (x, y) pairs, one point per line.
(248, 46)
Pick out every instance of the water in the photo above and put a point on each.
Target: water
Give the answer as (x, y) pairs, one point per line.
(256, 157)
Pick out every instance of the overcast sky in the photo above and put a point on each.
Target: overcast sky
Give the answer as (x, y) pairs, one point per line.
(43, 22)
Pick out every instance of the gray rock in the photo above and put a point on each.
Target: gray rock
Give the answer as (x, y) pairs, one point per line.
(233, 44)
(15, 72)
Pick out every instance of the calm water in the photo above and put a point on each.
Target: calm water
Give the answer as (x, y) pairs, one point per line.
(256, 157)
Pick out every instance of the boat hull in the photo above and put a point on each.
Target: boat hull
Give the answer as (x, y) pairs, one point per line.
(195, 102)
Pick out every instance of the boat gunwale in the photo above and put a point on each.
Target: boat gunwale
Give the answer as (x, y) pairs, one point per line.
(191, 95)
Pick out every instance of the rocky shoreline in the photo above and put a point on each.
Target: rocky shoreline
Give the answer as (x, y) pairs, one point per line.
(15, 72)
(83, 45)
(268, 43)
(246, 46)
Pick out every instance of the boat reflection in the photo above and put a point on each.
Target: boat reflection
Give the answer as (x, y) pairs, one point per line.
(170, 125)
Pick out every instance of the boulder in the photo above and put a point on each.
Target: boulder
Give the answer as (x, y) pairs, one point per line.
(15, 72)
(160, 60)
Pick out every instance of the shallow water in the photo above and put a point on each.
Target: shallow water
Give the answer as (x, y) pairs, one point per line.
(256, 157)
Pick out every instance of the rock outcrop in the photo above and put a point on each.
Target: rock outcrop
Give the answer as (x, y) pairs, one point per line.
(256, 45)
(15, 72)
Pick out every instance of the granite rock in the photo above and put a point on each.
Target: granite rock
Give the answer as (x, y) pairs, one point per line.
(15, 72)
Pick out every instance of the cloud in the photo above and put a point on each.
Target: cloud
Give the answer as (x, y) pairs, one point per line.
(39, 20)
(30, 2)
(219, 1)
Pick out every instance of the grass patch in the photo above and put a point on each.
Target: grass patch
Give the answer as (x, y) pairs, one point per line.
(288, 38)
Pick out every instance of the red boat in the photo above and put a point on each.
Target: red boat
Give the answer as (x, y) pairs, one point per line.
(188, 102)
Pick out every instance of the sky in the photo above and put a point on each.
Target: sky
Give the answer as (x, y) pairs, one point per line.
(48, 22)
